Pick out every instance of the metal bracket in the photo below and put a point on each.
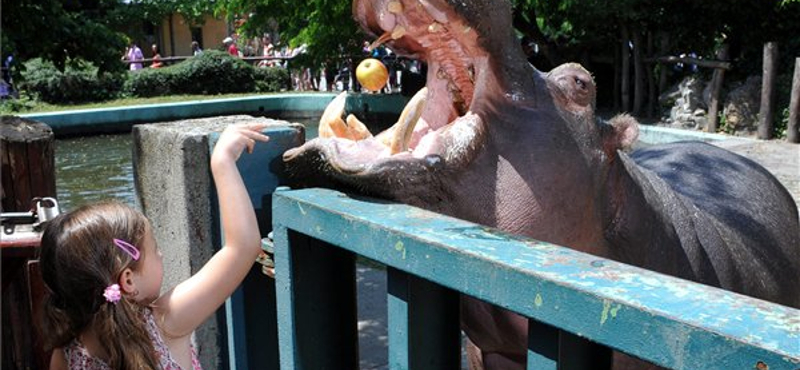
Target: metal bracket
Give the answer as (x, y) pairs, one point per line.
(42, 210)
(266, 258)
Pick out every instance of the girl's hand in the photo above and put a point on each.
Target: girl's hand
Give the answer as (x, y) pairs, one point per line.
(236, 138)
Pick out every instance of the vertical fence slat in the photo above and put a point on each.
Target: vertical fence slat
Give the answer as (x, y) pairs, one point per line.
(576, 353)
(552, 349)
(423, 324)
(317, 312)
(542, 346)
(397, 320)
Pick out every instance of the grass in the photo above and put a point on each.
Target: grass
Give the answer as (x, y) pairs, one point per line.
(25, 105)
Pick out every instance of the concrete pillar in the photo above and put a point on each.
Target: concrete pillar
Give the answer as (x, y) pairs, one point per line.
(175, 190)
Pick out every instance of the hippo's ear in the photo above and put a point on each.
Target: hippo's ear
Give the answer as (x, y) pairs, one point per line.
(619, 133)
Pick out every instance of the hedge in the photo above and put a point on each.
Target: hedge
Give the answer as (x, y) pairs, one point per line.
(212, 72)
(78, 83)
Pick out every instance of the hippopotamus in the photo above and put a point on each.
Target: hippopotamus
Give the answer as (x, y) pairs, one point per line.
(494, 141)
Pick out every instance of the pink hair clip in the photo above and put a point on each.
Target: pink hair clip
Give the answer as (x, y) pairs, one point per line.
(112, 293)
(127, 248)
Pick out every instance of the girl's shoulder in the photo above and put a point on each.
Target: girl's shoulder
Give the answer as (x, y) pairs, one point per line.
(160, 345)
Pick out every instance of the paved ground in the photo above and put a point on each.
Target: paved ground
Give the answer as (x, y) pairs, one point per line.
(780, 158)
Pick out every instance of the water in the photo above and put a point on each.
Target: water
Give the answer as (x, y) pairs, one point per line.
(96, 168)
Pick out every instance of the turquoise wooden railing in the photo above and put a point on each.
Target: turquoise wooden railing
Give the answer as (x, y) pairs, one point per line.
(579, 305)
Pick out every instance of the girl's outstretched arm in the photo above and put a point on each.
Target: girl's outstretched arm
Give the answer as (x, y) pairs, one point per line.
(191, 302)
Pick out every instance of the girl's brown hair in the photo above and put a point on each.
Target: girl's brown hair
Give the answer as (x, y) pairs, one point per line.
(79, 260)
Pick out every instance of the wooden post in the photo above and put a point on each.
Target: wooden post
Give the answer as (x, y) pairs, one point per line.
(716, 90)
(652, 98)
(617, 78)
(663, 48)
(626, 70)
(793, 127)
(28, 171)
(28, 162)
(638, 73)
(770, 70)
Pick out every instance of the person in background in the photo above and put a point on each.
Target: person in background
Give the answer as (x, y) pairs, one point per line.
(133, 53)
(230, 46)
(196, 49)
(103, 271)
(157, 63)
(267, 50)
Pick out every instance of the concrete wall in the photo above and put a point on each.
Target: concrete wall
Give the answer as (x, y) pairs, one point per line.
(120, 119)
(173, 183)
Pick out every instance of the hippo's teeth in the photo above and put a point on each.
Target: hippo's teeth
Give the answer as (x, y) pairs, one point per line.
(435, 27)
(331, 120)
(332, 125)
(358, 130)
(395, 7)
(408, 119)
(471, 73)
(398, 32)
(385, 37)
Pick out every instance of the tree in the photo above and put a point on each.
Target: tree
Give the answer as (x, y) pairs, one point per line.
(326, 27)
(642, 30)
(62, 30)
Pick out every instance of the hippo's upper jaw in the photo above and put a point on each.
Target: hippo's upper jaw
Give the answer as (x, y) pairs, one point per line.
(440, 128)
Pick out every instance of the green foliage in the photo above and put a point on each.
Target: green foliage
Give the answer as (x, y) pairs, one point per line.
(326, 27)
(58, 31)
(13, 106)
(783, 93)
(272, 79)
(213, 72)
(156, 10)
(80, 82)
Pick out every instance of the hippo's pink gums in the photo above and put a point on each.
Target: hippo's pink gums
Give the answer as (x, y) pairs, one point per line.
(494, 141)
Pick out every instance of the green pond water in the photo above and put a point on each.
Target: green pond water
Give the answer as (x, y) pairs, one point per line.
(95, 168)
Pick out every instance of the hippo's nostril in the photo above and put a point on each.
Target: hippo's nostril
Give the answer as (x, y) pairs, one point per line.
(433, 161)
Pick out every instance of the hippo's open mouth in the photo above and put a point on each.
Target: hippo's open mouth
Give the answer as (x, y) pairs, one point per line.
(437, 125)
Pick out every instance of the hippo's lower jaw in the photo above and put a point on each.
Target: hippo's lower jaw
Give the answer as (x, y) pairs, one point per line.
(349, 148)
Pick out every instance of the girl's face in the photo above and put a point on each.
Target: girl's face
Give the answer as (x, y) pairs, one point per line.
(151, 271)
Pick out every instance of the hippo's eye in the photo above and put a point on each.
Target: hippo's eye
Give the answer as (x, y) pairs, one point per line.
(580, 83)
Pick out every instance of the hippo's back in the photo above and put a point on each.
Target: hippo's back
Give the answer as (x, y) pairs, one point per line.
(741, 215)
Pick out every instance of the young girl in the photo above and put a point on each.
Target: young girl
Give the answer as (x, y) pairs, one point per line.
(103, 270)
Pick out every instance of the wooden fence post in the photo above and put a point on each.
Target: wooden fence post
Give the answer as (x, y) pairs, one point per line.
(28, 171)
(770, 70)
(638, 73)
(793, 127)
(28, 162)
(716, 89)
(626, 70)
